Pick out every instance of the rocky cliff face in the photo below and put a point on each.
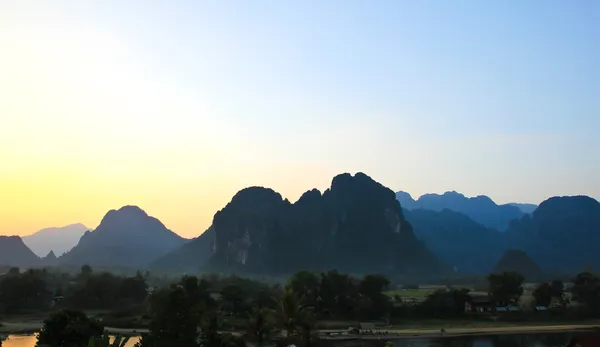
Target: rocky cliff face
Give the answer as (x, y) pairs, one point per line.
(14, 252)
(126, 237)
(355, 226)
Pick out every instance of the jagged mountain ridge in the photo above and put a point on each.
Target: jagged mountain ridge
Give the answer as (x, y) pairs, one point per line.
(14, 252)
(481, 209)
(355, 226)
(58, 240)
(126, 237)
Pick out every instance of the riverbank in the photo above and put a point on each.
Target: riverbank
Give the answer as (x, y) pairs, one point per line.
(29, 327)
(458, 332)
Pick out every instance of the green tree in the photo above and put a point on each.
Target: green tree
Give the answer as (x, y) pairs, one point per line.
(586, 291)
(543, 294)
(68, 328)
(305, 285)
(86, 271)
(288, 312)
(233, 299)
(558, 292)
(260, 326)
(505, 288)
(104, 341)
(175, 318)
(445, 303)
(307, 321)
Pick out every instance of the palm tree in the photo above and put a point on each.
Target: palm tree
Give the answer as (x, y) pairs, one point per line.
(307, 321)
(260, 326)
(104, 341)
(288, 311)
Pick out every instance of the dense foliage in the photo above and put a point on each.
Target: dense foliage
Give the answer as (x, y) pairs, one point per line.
(68, 328)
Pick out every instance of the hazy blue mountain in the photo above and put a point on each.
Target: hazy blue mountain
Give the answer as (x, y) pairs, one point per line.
(525, 208)
(519, 261)
(456, 239)
(562, 233)
(126, 237)
(58, 240)
(481, 209)
(355, 226)
(14, 252)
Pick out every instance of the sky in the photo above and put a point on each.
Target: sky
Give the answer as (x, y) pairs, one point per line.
(174, 106)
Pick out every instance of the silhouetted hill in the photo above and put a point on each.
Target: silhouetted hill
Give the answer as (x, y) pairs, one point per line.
(519, 261)
(14, 252)
(58, 240)
(355, 226)
(481, 208)
(562, 233)
(456, 239)
(50, 259)
(126, 237)
(525, 208)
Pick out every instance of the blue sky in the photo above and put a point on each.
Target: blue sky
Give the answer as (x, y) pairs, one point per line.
(483, 97)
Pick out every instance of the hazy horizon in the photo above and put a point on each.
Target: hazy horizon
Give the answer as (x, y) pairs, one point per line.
(176, 106)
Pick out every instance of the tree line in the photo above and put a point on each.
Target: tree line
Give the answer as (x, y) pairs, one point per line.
(195, 311)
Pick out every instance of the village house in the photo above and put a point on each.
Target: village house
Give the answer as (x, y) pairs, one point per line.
(478, 302)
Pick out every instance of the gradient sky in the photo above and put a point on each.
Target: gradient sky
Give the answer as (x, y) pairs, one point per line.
(176, 105)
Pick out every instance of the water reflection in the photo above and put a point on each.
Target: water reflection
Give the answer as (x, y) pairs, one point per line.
(30, 340)
(523, 340)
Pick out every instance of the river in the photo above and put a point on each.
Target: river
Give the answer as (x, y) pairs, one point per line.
(504, 340)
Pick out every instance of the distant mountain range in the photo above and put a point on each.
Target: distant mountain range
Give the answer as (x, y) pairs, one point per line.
(355, 226)
(56, 240)
(481, 209)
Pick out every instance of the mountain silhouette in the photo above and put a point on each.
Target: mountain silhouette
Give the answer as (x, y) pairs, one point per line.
(58, 240)
(456, 239)
(481, 209)
(14, 252)
(355, 226)
(519, 261)
(563, 233)
(126, 237)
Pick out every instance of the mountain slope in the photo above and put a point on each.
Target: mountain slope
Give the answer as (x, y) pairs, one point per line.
(563, 233)
(519, 261)
(355, 226)
(460, 242)
(525, 208)
(126, 237)
(14, 252)
(58, 240)
(481, 209)
(191, 256)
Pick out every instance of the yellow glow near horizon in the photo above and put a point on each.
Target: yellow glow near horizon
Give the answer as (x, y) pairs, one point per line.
(87, 126)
